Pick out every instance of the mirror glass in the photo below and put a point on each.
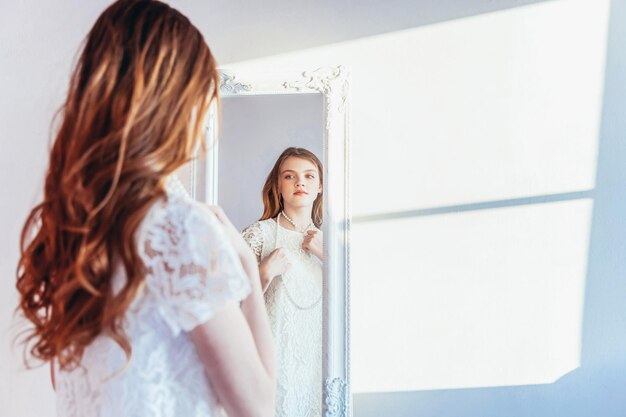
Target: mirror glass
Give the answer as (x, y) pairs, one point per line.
(254, 131)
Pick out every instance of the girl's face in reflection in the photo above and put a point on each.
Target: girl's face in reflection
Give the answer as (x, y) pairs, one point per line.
(299, 182)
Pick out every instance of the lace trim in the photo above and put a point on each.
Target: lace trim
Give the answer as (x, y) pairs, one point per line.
(191, 266)
(253, 235)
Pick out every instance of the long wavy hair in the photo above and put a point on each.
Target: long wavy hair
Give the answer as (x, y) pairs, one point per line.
(272, 200)
(134, 114)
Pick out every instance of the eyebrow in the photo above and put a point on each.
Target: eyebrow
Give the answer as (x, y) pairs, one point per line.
(306, 170)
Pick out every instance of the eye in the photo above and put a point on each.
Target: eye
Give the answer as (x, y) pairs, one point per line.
(288, 176)
(310, 176)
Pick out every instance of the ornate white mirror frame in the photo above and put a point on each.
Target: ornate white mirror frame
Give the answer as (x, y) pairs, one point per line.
(333, 83)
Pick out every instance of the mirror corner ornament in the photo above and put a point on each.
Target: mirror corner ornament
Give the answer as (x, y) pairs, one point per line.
(229, 84)
(335, 394)
(332, 82)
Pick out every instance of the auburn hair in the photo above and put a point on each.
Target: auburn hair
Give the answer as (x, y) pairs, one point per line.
(272, 200)
(133, 114)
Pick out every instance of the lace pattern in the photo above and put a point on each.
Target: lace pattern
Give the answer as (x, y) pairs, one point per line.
(254, 236)
(192, 272)
(192, 268)
(297, 332)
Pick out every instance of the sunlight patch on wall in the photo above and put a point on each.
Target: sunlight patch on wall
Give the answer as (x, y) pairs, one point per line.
(496, 106)
(493, 107)
(478, 299)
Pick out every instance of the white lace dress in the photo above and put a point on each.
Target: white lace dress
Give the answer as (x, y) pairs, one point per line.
(192, 272)
(294, 305)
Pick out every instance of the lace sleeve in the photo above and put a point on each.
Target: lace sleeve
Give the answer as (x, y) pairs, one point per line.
(253, 235)
(192, 267)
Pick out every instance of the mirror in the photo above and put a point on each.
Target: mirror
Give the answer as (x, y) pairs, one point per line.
(262, 115)
(255, 131)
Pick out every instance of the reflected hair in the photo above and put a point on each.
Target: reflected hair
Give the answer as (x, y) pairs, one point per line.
(272, 200)
(133, 115)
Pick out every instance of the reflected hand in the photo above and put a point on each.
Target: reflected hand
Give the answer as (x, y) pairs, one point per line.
(314, 243)
(274, 264)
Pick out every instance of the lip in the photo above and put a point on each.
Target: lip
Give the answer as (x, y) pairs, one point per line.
(300, 193)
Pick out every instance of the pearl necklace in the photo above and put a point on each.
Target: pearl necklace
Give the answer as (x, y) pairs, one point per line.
(294, 223)
(283, 280)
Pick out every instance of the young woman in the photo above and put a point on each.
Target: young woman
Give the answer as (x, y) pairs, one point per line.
(288, 244)
(147, 303)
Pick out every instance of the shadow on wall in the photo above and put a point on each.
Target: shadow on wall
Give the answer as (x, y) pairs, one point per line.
(317, 23)
(585, 392)
(597, 388)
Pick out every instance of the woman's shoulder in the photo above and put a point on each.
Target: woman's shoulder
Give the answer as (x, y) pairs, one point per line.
(260, 226)
(259, 234)
(177, 213)
(267, 223)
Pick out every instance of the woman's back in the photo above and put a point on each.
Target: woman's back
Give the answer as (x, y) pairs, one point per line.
(147, 301)
(192, 271)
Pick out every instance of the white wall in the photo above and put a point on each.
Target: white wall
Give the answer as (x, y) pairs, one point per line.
(463, 117)
(38, 42)
(484, 149)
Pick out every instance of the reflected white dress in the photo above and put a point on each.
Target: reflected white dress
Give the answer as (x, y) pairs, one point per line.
(294, 305)
(192, 272)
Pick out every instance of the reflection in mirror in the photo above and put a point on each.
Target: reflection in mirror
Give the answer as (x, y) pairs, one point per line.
(264, 114)
(270, 182)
